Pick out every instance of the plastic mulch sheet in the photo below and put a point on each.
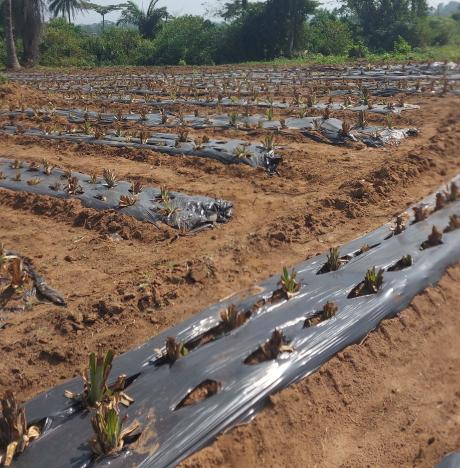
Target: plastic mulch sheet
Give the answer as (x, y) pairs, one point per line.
(172, 430)
(180, 211)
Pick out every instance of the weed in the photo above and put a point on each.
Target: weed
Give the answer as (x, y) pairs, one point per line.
(110, 178)
(143, 114)
(2, 175)
(17, 177)
(55, 187)
(15, 436)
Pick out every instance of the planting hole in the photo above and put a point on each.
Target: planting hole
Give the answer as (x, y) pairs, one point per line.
(434, 239)
(230, 319)
(370, 285)
(329, 311)
(270, 350)
(403, 262)
(201, 392)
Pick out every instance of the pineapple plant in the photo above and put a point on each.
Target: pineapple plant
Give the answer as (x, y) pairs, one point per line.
(288, 283)
(96, 390)
(109, 434)
(15, 434)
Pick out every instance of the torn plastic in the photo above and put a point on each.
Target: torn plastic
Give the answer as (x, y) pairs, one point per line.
(178, 210)
(172, 430)
(40, 287)
(331, 131)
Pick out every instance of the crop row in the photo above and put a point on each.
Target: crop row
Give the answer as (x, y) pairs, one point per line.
(216, 369)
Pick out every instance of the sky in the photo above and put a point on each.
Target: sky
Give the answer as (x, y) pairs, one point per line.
(178, 7)
(175, 7)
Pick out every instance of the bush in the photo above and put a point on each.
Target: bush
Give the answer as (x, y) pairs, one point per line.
(62, 45)
(118, 46)
(358, 50)
(435, 30)
(328, 37)
(189, 39)
(401, 46)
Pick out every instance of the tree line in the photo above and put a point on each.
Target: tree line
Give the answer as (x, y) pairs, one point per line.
(242, 31)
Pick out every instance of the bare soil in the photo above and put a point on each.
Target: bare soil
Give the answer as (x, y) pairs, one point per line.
(392, 400)
(126, 281)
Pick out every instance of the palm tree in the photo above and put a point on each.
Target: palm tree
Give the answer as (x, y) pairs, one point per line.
(12, 62)
(148, 22)
(101, 9)
(65, 7)
(28, 19)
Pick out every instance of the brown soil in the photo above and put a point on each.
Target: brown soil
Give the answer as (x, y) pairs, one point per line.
(126, 281)
(392, 400)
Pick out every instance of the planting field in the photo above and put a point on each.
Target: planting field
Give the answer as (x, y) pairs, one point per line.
(140, 200)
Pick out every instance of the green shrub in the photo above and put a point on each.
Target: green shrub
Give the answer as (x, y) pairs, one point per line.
(63, 45)
(401, 46)
(190, 39)
(358, 50)
(328, 37)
